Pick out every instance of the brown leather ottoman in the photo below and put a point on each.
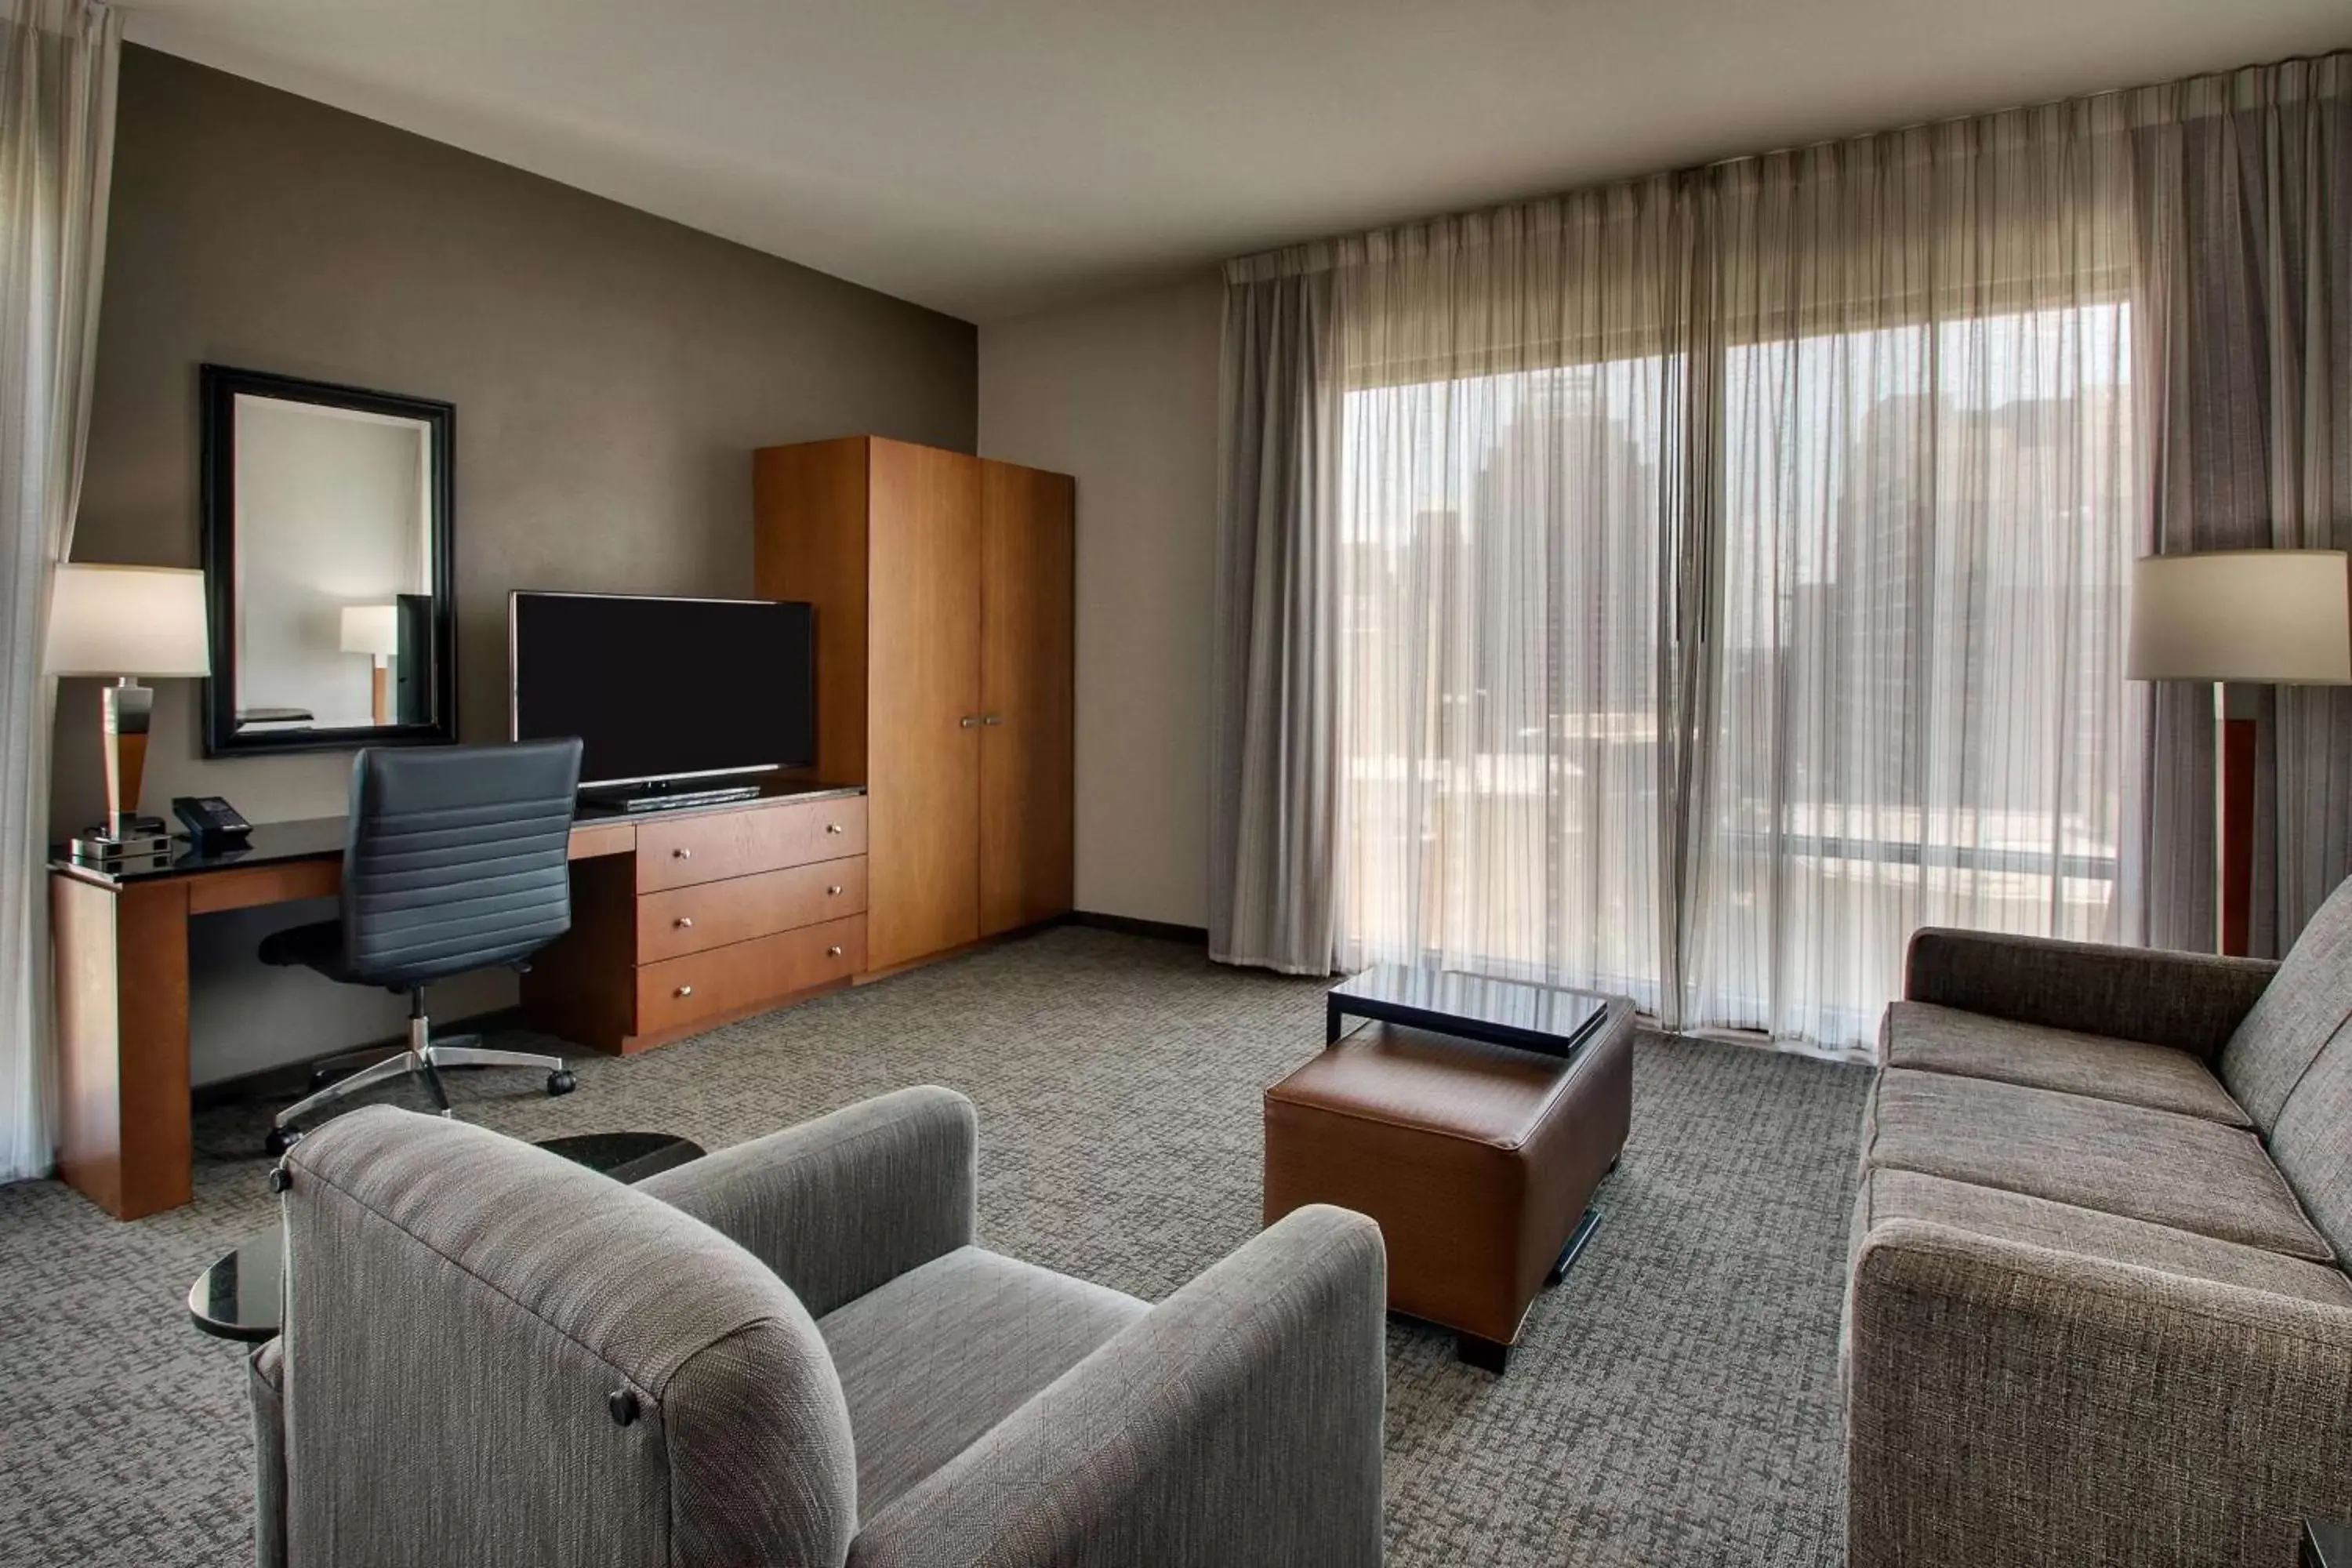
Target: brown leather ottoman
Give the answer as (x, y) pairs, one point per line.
(1478, 1162)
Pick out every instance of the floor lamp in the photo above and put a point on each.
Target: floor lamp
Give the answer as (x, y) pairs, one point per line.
(2238, 619)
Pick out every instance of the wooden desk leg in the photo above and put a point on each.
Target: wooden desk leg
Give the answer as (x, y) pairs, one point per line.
(121, 965)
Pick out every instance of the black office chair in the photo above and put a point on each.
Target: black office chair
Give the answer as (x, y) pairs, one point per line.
(456, 860)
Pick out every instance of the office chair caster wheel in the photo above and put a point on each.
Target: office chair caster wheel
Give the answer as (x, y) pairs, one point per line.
(560, 1081)
(280, 1140)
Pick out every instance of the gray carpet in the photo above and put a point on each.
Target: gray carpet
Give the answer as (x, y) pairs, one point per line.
(1673, 1402)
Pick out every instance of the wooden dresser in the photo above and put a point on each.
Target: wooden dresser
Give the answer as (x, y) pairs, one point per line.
(721, 913)
(944, 588)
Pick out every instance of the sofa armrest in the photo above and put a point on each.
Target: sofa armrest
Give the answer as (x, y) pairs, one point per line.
(2191, 1001)
(846, 1203)
(2014, 1404)
(1238, 1421)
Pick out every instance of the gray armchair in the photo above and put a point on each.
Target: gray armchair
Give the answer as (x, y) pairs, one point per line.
(789, 1352)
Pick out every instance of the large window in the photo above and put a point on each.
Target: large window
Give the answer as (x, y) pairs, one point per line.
(1710, 688)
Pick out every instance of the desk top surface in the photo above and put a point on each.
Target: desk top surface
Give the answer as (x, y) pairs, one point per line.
(322, 838)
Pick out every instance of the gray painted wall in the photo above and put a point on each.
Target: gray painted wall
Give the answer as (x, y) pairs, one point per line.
(1123, 393)
(612, 372)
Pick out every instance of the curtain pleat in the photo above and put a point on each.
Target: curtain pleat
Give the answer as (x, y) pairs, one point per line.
(1724, 574)
(1276, 668)
(57, 137)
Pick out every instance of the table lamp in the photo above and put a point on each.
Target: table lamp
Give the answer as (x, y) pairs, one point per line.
(373, 630)
(126, 622)
(2280, 617)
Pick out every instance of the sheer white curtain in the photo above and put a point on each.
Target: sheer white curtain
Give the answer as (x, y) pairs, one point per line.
(1732, 571)
(56, 135)
(1925, 485)
(1515, 392)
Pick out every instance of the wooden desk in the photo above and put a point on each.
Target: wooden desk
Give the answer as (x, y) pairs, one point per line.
(119, 946)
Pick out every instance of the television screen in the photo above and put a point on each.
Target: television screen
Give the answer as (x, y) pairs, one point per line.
(664, 688)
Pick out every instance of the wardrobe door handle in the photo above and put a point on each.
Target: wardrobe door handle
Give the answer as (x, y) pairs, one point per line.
(993, 719)
(970, 722)
(686, 990)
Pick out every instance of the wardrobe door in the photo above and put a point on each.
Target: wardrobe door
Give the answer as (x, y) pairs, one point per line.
(923, 628)
(1027, 594)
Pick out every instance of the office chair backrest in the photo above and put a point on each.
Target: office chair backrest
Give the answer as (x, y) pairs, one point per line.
(457, 858)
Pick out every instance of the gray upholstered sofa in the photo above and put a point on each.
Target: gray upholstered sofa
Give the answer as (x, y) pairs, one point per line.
(788, 1352)
(2098, 1312)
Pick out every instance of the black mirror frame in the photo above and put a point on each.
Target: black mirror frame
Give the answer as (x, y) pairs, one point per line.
(220, 385)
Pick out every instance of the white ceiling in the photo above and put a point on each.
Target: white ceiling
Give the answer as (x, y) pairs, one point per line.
(995, 157)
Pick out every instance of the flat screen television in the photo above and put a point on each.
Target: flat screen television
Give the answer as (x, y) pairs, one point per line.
(662, 690)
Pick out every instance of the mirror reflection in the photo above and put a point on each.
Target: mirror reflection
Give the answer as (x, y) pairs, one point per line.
(327, 540)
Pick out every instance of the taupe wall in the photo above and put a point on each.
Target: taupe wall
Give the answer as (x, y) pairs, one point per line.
(612, 371)
(1124, 394)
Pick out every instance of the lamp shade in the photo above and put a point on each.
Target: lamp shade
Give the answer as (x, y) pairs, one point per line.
(127, 620)
(370, 629)
(2280, 618)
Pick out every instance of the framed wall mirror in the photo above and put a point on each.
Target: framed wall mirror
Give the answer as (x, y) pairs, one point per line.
(327, 561)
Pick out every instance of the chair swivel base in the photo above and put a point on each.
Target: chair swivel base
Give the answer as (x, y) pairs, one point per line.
(423, 1057)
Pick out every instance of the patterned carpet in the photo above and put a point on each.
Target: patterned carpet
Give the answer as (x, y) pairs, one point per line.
(1674, 1403)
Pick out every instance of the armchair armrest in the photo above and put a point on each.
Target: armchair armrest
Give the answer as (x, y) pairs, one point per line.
(2192, 1002)
(846, 1203)
(1238, 1421)
(2014, 1404)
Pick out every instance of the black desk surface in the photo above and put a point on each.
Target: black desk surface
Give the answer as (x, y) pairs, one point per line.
(322, 838)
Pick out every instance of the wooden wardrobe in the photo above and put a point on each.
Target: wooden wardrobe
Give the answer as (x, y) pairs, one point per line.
(943, 585)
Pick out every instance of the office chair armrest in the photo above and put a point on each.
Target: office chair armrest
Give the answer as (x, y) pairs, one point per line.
(1238, 1421)
(846, 1203)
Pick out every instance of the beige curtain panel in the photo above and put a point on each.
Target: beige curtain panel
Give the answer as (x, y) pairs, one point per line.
(1692, 586)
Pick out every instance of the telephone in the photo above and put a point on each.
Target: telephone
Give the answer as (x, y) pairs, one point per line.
(212, 823)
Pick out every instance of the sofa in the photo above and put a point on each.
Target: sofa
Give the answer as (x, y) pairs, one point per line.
(789, 1352)
(2097, 1310)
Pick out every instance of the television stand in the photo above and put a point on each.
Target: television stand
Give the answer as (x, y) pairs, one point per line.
(678, 799)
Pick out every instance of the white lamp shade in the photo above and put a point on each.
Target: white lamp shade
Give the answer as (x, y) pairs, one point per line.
(127, 620)
(2280, 617)
(370, 629)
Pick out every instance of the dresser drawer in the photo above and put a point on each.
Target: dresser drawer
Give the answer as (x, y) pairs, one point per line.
(714, 914)
(710, 847)
(677, 992)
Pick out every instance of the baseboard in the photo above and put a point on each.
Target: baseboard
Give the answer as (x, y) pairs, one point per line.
(276, 1082)
(1127, 925)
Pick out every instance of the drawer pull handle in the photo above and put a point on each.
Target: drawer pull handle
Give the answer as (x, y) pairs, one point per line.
(681, 853)
(833, 827)
(992, 719)
(686, 922)
(832, 953)
(969, 720)
(834, 891)
(686, 990)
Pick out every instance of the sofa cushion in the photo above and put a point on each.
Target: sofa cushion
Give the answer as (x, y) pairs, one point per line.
(2313, 1140)
(2156, 1165)
(1929, 1038)
(2303, 1005)
(938, 1355)
(2063, 1227)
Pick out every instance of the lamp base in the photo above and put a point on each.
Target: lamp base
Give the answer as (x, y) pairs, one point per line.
(142, 838)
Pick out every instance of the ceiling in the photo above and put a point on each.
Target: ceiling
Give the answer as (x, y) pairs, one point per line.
(993, 157)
